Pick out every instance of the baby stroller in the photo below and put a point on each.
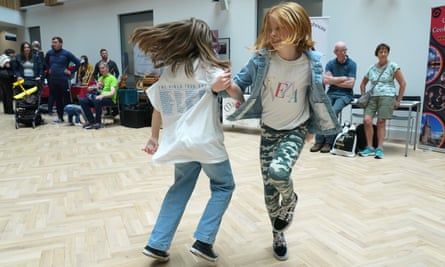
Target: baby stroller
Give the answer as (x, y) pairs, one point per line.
(27, 103)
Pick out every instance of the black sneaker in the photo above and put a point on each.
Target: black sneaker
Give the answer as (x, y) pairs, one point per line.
(156, 254)
(204, 251)
(279, 246)
(285, 215)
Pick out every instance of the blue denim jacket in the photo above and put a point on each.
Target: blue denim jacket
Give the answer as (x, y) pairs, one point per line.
(322, 119)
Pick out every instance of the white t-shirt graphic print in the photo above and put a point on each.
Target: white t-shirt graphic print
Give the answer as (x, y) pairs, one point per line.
(191, 130)
(284, 99)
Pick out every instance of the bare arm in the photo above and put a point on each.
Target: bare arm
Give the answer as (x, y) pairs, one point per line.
(363, 85)
(152, 144)
(109, 94)
(341, 81)
(402, 86)
(224, 82)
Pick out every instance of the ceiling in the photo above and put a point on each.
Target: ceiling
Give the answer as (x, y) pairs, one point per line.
(23, 4)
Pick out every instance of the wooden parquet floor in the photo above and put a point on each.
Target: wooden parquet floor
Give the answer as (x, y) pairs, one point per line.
(73, 197)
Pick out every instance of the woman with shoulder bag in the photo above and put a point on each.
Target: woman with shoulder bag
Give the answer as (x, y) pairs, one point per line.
(7, 65)
(383, 100)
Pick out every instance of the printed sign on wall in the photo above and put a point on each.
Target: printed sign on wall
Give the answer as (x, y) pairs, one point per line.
(433, 117)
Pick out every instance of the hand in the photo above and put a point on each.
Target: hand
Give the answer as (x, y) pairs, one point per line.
(90, 96)
(67, 71)
(327, 77)
(222, 82)
(152, 146)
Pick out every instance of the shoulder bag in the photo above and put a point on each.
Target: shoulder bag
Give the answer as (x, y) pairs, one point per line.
(363, 100)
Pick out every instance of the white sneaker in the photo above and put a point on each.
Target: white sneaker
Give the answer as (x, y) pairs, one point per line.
(78, 124)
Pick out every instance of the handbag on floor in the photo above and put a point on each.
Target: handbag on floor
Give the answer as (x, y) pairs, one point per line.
(361, 137)
(345, 143)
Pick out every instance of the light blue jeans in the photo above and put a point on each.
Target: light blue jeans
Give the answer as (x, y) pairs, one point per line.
(74, 110)
(175, 201)
(338, 101)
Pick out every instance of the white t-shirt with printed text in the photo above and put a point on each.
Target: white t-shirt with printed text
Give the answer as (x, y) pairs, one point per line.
(191, 130)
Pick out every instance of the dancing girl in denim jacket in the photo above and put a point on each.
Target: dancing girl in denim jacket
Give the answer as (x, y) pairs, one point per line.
(285, 76)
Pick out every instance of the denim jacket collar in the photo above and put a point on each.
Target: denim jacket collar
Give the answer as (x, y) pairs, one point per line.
(322, 119)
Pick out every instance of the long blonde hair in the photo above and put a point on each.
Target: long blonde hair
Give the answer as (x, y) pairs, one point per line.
(177, 43)
(292, 17)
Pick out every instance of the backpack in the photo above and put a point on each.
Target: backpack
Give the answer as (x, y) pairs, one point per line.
(345, 142)
(361, 137)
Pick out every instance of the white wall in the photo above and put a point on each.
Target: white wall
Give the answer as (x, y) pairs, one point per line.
(402, 24)
(11, 17)
(88, 25)
(11, 21)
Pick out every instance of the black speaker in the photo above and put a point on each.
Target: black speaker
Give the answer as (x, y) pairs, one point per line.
(136, 118)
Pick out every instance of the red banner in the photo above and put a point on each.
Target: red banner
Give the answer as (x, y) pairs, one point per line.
(433, 117)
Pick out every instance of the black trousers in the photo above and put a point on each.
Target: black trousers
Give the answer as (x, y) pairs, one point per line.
(8, 93)
(59, 91)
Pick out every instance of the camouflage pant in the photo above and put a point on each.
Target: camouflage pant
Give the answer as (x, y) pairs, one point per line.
(279, 151)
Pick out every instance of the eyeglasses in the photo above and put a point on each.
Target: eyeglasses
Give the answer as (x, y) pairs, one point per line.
(341, 50)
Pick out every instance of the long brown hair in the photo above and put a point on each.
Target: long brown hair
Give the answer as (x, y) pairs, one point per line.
(177, 43)
(22, 52)
(294, 18)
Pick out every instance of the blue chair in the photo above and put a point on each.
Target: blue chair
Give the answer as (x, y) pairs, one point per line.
(128, 99)
(125, 98)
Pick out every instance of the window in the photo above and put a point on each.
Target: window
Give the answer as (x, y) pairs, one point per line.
(129, 22)
(34, 34)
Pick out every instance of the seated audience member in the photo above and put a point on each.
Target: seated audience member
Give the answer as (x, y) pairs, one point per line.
(104, 94)
(75, 111)
(340, 73)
